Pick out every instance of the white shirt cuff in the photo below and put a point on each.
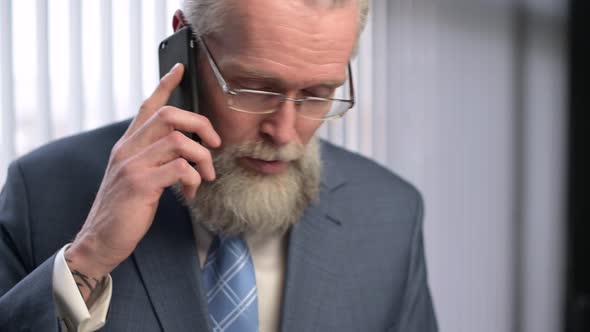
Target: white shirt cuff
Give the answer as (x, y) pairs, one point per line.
(71, 308)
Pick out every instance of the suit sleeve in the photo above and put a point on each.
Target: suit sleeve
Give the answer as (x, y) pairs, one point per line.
(417, 311)
(26, 292)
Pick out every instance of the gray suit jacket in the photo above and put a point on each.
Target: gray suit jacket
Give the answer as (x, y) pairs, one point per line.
(355, 260)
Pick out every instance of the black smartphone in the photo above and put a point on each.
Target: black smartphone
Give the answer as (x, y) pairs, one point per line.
(181, 47)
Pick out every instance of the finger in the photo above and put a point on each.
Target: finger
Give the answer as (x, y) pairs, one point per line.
(168, 119)
(159, 97)
(175, 171)
(177, 145)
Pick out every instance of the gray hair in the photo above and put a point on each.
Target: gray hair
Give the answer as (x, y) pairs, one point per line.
(206, 16)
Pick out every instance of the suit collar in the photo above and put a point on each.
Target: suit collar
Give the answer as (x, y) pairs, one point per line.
(332, 178)
(174, 283)
(314, 265)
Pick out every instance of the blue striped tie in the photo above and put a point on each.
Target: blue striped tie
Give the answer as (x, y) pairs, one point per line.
(230, 283)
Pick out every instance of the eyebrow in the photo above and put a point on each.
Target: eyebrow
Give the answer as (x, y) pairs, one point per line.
(258, 74)
(241, 70)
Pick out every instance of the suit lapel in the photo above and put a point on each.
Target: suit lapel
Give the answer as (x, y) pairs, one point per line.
(168, 262)
(313, 263)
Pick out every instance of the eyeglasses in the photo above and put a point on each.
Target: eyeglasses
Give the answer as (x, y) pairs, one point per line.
(266, 102)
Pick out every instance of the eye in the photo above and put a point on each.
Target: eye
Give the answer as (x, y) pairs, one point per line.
(321, 92)
(253, 85)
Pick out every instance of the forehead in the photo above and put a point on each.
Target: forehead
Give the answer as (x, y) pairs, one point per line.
(287, 39)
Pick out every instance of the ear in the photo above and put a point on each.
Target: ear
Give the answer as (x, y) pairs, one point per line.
(178, 21)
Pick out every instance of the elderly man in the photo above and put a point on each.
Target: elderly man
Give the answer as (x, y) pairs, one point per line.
(260, 227)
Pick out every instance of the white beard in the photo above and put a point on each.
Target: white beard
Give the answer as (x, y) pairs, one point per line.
(243, 201)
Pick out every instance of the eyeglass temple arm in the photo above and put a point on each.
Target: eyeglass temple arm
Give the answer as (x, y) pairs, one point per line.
(214, 66)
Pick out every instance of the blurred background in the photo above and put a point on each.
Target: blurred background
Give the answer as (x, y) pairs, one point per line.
(479, 103)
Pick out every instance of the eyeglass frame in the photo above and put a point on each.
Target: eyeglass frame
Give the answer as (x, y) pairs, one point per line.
(225, 87)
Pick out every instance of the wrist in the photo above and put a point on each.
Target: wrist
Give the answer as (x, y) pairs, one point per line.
(82, 256)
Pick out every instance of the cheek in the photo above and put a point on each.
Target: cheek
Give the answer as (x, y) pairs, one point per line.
(307, 128)
(232, 127)
(235, 127)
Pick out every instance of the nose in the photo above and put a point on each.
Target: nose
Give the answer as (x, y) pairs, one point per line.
(280, 127)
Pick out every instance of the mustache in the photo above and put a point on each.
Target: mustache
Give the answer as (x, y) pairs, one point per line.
(266, 151)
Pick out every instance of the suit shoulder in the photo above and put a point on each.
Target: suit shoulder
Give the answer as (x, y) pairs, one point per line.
(93, 146)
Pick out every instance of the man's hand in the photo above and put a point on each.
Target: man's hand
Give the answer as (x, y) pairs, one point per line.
(152, 154)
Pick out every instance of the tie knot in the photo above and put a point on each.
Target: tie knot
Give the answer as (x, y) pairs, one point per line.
(228, 245)
(235, 241)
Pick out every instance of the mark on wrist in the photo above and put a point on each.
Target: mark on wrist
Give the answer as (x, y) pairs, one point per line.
(85, 283)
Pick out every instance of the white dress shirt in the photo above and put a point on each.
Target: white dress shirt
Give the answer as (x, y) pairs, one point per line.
(268, 254)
